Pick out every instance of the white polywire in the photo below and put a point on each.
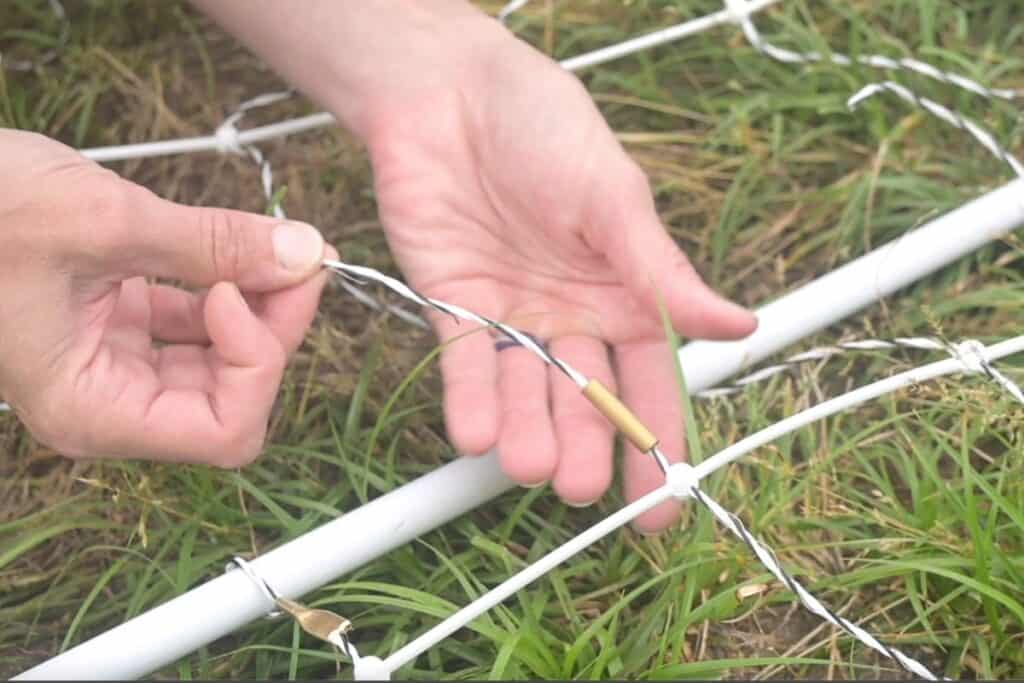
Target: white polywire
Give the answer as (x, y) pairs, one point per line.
(806, 598)
(741, 16)
(820, 353)
(948, 115)
(972, 354)
(208, 143)
(857, 397)
(666, 35)
(510, 586)
(510, 8)
(402, 289)
(302, 124)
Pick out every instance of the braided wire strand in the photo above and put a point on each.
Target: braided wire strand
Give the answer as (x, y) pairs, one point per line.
(970, 353)
(402, 289)
(754, 37)
(819, 354)
(948, 115)
(768, 558)
(511, 8)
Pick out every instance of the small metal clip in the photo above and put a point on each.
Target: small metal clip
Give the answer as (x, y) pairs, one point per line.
(319, 623)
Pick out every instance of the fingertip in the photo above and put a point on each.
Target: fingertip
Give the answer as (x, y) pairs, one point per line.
(700, 312)
(471, 418)
(582, 491)
(584, 459)
(298, 247)
(528, 452)
(235, 331)
(225, 300)
(527, 447)
(729, 320)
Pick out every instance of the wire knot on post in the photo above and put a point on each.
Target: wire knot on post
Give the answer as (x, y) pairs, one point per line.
(226, 135)
(971, 354)
(683, 480)
(738, 11)
(370, 669)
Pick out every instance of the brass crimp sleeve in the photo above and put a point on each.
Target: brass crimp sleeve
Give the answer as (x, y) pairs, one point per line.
(317, 622)
(619, 415)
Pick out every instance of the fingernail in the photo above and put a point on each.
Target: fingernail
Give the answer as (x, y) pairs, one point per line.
(582, 505)
(299, 247)
(534, 486)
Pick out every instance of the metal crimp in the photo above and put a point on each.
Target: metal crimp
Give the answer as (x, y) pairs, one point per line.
(608, 404)
(320, 623)
(631, 427)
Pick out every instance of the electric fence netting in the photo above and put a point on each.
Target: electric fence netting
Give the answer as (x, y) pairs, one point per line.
(681, 481)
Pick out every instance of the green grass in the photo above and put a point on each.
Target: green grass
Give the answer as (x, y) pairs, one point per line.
(907, 515)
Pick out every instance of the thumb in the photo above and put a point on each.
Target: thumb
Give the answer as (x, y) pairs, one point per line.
(657, 272)
(206, 245)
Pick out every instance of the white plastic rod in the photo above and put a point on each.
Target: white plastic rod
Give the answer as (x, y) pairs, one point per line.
(221, 606)
(859, 283)
(252, 136)
(226, 603)
(665, 35)
(525, 577)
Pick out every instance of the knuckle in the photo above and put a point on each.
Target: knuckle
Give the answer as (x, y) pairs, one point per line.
(222, 242)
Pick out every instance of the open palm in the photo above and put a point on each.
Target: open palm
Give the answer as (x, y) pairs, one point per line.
(520, 204)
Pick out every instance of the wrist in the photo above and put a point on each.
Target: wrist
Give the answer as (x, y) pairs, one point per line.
(409, 53)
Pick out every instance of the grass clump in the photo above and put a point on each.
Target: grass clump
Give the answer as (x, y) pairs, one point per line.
(906, 515)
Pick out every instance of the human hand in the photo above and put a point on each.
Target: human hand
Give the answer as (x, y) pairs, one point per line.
(96, 361)
(503, 190)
